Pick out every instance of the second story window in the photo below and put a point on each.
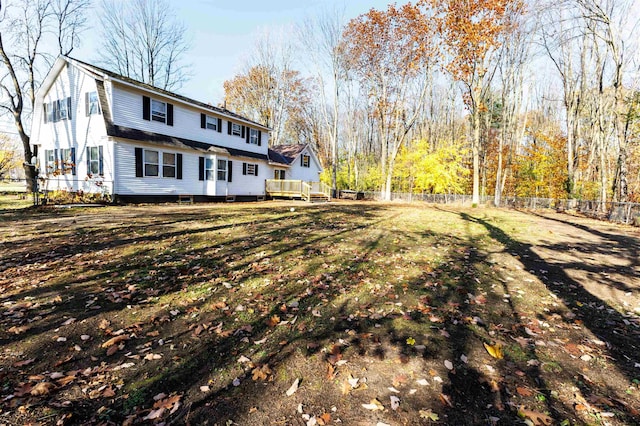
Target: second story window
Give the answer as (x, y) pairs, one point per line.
(155, 110)
(253, 136)
(92, 106)
(57, 110)
(236, 129)
(158, 111)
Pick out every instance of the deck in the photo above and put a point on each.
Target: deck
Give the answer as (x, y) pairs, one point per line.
(308, 191)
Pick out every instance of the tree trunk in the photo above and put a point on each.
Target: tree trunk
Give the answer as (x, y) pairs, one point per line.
(475, 151)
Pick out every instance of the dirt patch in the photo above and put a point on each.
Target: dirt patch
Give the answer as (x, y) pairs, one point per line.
(351, 313)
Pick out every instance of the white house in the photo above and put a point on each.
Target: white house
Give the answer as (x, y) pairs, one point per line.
(97, 131)
(297, 162)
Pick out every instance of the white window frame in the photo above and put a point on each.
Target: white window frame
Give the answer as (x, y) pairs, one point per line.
(209, 170)
(253, 136)
(278, 174)
(65, 161)
(149, 162)
(236, 129)
(94, 104)
(251, 169)
(158, 111)
(222, 168)
(211, 123)
(94, 159)
(169, 170)
(306, 160)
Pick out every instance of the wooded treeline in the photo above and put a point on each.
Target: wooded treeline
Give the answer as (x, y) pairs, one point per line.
(485, 97)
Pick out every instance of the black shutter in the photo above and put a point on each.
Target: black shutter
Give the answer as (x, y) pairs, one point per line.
(201, 168)
(54, 110)
(139, 162)
(259, 138)
(219, 125)
(248, 135)
(45, 107)
(244, 168)
(73, 161)
(243, 131)
(302, 160)
(179, 166)
(256, 170)
(203, 121)
(69, 108)
(88, 161)
(100, 161)
(170, 114)
(86, 103)
(55, 159)
(230, 171)
(146, 108)
(228, 127)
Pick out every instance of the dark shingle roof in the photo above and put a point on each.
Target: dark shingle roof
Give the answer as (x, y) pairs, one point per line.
(146, 86)
(285, 154)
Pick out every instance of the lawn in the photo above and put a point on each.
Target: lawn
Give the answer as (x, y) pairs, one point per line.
(287, 313)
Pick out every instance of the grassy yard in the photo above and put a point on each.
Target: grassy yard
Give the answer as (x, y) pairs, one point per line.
(294, 314)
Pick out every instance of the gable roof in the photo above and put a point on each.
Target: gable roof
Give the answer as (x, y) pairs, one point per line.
(286, 154)
(102, 72)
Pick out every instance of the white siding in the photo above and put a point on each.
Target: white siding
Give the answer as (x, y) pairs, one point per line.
(127, 112)
(128, 184)
(79, 132)
(309, 174)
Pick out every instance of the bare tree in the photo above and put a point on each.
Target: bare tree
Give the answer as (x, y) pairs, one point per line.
(25, 26)
(322, 39)
(143, 40)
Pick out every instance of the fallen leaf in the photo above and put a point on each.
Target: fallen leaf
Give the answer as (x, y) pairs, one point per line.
(115, 340)
(42, 388)
(429, 415)
(522, 391)
(23, 363)
(448, 364)
(154, 414)
(446, 400)
(494, 350)
(293, 388)
(395, 402)
(19, 329)
(205, 388)
(374, 405)
(538, 419)
(273, 321)
(324, 419)
(261, 373)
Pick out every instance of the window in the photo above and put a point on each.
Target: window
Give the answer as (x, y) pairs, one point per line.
(236, 129)
(211, 123)
(93, 160)
(158, 111)
(208, 169)
(279, 174)
(68, 160)
(306, 160)
(168, 165)
(222, 169)
(50, 160)
(92, 104)
(253, 136)
(249, 169)
(150, 162)
(57, 110)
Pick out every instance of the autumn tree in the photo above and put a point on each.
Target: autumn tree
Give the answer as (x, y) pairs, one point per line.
(392, 53)
(143, 40)
(472, 31)
(32, 33)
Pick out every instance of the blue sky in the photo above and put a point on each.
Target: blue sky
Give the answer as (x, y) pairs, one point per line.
(223, 34)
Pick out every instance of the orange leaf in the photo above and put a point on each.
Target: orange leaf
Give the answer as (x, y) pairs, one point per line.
(522, 391)
(115, 340)
(538, 419)
(273, 321)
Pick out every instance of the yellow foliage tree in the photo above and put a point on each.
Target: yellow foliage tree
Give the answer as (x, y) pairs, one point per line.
(439, 171)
